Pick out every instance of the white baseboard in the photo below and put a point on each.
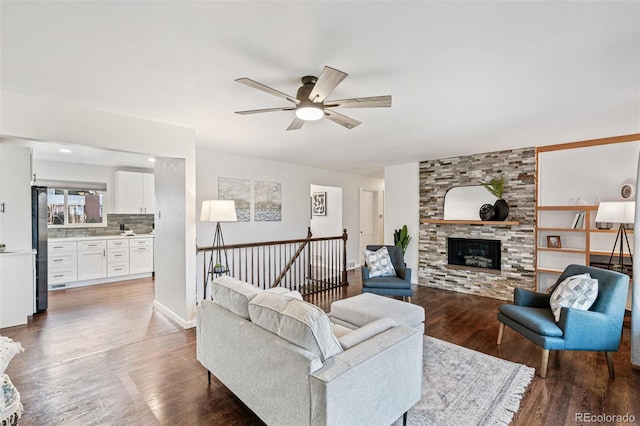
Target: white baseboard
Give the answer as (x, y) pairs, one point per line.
(172, 315)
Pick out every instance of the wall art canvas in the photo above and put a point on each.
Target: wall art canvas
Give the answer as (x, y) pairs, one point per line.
(267, 201)
(238, 190)
(319, 204)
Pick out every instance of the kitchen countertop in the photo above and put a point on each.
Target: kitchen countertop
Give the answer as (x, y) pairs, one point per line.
(102, 237)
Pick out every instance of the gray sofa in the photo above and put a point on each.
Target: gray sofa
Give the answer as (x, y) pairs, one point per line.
(291, 366)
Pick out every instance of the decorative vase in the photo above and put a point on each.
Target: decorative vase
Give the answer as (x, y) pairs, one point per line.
(502, 209)
(487, 212)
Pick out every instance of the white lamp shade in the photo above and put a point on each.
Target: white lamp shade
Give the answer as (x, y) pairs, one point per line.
(616, 212)
(218, 211)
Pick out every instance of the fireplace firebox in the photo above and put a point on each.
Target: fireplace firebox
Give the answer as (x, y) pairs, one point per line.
(474, 253)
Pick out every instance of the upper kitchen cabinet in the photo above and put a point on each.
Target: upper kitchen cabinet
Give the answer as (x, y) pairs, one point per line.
(15, 196)
(134, 193)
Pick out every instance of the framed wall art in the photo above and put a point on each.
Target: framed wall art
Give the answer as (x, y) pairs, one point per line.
(319, 204)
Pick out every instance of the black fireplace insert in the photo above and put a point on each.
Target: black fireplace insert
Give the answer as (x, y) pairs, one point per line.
(474, 253)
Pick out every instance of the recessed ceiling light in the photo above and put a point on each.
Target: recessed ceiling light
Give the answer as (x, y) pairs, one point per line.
(65, 150)
(152, 160)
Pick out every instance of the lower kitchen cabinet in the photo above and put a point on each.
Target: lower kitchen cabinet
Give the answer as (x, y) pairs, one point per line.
(75, 262)
(141, 256)
(92, 260)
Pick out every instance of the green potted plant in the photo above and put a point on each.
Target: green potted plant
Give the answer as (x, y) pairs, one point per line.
(496, 187)
(401, 238)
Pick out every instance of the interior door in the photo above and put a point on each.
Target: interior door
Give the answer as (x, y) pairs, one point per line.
(367, 220)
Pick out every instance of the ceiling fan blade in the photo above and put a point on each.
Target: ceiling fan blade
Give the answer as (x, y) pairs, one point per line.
(342, 120)
(295, 124)
(369, 102)
(256, 111)
(260, 86)
(328, 80)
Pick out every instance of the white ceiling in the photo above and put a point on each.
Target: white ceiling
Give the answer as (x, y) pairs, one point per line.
(465, 77)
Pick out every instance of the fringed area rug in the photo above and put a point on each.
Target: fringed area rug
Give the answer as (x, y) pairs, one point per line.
(464, 387)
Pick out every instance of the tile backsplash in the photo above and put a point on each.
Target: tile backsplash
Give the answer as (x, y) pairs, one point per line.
(139, 223)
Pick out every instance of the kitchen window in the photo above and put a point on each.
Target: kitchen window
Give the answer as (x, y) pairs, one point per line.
(76, 208)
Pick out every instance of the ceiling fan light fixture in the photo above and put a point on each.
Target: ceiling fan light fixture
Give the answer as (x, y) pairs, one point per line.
(309, 112)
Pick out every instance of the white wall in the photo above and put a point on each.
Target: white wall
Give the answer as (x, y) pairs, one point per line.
(47, 120)
(592, 174)
(329, 225)
(402, 207)
(296, 181)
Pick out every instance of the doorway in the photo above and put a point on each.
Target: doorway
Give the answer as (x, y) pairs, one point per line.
(369, 233)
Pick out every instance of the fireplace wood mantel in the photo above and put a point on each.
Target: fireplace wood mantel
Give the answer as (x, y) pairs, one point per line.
(470, 222)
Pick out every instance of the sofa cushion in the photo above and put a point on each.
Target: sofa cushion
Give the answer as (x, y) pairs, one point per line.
(296, 321)
(577, 291)
(285, 292)
(8, 349)
(379, 263)
(233, 295)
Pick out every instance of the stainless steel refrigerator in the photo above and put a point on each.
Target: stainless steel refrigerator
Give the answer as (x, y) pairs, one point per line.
(39, 242)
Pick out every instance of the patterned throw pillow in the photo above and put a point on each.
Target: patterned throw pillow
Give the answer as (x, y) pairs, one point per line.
(379, 263)
(577, 291)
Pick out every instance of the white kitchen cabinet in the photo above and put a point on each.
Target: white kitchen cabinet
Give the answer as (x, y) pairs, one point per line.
(140, 255)
(92, 259)
(77, 262)
(17, 301)
(62, 262)
(15, 196)
(135, 193)
(117, 257)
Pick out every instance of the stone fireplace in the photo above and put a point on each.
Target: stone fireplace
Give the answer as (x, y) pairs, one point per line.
(516, 238)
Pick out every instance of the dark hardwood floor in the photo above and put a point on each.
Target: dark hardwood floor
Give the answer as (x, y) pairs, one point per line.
(101, 355)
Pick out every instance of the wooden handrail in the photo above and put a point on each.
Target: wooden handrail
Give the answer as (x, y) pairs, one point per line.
(270, 243)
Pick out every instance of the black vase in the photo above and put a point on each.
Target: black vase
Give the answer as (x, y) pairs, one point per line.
(502, 209)
(487, 212)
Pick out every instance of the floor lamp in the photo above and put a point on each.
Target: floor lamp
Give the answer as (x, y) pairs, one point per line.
(217, 211)
(622, 212)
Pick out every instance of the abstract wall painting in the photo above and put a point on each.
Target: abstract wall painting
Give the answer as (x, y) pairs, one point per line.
(238, 190)
(267, 201)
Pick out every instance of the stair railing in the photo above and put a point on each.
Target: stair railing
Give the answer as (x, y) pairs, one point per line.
(308, 265)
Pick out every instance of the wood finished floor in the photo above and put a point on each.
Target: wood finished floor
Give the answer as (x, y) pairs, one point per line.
(100, 356)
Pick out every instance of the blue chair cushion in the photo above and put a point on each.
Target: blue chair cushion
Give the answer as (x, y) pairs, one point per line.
(386, 282)
(538, 320)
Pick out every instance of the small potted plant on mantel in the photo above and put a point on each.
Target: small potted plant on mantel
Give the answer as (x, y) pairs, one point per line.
(500, 207)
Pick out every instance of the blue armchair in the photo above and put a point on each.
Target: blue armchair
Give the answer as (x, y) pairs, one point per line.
(400, 285)
(598, 329)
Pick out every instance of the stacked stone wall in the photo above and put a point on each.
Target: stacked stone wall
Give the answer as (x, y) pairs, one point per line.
(517, 241)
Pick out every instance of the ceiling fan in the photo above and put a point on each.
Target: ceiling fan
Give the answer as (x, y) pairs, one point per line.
(310, 103)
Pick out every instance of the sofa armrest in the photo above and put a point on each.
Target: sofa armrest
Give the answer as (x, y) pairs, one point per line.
(361, 334)
(522, 297)
(589, 330)
(386, 367)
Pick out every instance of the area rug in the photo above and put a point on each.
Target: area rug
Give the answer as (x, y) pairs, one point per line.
(465, 387)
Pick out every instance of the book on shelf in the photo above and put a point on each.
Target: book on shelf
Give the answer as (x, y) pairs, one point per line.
(578, 221)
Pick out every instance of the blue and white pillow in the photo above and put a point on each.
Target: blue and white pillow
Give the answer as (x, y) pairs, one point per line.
(577, 291)
(379, 263)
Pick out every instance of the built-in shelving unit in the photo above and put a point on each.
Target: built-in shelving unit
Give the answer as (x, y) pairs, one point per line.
(584, 244)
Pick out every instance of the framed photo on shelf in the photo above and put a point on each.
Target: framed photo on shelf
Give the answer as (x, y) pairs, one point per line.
(553, 241)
